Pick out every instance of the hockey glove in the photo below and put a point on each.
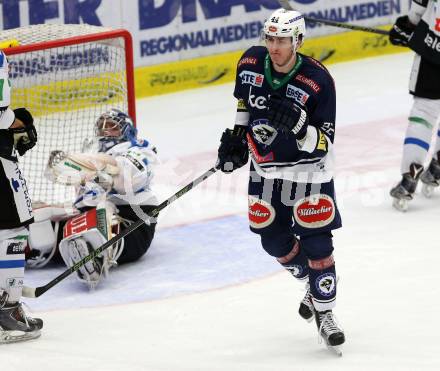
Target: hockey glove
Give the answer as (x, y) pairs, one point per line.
(25, 137)
(402, 31)
(233, 152)
(286, 116)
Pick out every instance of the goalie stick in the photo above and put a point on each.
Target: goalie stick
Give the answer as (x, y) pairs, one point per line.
(35, 292)
(286, 5)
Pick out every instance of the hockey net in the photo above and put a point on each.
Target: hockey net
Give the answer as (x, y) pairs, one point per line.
(66, 76)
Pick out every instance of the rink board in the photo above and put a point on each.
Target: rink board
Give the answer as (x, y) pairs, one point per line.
(220, 68)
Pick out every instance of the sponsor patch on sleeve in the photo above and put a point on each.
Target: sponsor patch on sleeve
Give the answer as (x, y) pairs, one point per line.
(322, 142)
(314, 211)
(261, 213)
(251, 78)
(309, 82)
(247, 60)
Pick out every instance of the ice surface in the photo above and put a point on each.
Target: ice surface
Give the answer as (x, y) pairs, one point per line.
(206, 297)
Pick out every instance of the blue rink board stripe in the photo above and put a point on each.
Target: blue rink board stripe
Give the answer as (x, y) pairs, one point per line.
(182, 260)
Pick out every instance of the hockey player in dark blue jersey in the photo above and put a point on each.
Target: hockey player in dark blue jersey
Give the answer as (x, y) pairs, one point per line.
(286, 120)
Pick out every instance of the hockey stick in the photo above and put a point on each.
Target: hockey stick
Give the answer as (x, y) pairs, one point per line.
(35, 292)
(286, 5)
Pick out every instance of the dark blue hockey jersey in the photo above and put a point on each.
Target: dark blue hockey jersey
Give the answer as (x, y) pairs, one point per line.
(309, 84)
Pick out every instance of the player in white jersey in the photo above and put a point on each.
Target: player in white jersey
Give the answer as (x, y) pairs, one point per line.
(116, 195)
(420, 30)
(17, 136)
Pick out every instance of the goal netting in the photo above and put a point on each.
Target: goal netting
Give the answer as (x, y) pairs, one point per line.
(66, 76)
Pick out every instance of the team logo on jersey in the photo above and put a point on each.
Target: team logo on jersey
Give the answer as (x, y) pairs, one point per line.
(247, 60)
(261, 213)
(255, 154)
(299, 95)
(256, 102)
(251, 78)
(15, 282)
(15, 184)
(263, 132)
(314, 211)
(326, 284)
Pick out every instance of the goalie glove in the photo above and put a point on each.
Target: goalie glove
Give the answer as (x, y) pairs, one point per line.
(78, 168)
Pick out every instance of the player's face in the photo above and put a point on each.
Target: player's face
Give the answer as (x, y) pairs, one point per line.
(107, 127)
(280, 49)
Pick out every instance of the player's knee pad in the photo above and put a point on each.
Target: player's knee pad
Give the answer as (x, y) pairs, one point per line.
(317, 246)
(277, 244)
(295, 262)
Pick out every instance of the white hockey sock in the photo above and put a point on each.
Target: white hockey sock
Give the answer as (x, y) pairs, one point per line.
(12, 260)
(422, 121)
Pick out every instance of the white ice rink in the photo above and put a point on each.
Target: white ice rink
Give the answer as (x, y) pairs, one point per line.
(206, 297)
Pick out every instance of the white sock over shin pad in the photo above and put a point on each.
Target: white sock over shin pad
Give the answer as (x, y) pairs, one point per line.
(422, 122)
(12, 245)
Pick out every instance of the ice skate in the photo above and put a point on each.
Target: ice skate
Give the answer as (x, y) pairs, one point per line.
(431, 176)
(15, 326)
(306, 310)
(403, 192)
(329, 331)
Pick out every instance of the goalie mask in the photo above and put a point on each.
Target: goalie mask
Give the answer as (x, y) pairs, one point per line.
(114, 127)
(285, 23)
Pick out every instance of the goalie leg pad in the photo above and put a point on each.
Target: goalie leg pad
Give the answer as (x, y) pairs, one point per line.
(90, 272)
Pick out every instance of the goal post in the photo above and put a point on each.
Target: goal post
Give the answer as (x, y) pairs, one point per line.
(66, 76)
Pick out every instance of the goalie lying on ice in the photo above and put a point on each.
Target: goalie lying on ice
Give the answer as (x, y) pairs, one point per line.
(112, 182)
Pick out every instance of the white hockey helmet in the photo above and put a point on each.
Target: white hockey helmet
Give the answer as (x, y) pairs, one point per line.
(286, 23)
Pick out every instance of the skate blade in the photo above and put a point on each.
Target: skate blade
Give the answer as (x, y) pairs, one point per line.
(400, 204)
(337, 350)
(427, 190)
(8, 337)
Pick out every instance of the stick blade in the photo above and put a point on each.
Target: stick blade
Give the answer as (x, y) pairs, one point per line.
(29, 292)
